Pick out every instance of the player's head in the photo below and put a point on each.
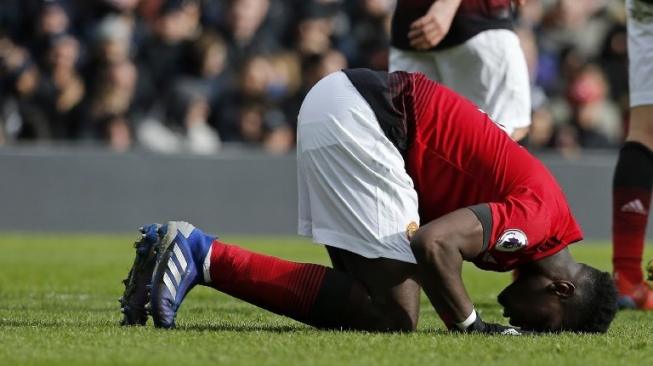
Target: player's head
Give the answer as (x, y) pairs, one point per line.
(585, 303)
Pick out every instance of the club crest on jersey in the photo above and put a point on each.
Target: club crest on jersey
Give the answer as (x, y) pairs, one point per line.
(511, 240)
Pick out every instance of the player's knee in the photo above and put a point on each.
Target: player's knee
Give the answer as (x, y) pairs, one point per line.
(398, 322)
(379, 313)
(403, 326)
(407, 323)
(428, 245)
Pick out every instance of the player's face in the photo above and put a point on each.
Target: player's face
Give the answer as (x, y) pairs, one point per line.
(530, 304)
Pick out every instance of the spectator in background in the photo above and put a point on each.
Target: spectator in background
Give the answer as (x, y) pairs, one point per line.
(187, 116)
(285, 84)
(113, 40)
(595, 118)
(570, 28)
(21, 116)
(575, 24)
(112, 106)
(191, 13)
(314, 29)
(245, 31)
(119, 96)
(370, 30)
(62, 90)
(122, 6)
(321, 65)
(112, 43)
(249, 88)
(179, 75)
(542, 131)
(191, 101)
(207, 63)
(316, 67)
(163, 54)
(14, 20)
(195, 93)
(249, 115)
(52, 20)
(127, 10)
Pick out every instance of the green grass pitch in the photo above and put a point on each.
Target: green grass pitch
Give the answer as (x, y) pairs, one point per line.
(58, 305)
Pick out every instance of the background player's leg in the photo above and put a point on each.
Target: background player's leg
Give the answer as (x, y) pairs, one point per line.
(631, 199)
(318, 295)
(392, 287)
(633, 177)
(490, 70)
(402, 60)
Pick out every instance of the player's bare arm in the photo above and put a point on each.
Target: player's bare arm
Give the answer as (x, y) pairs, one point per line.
(430, 29)
(440, 248)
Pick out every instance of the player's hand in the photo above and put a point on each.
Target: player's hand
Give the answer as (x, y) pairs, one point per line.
(428, 31)
(479, 326)
(492, 328)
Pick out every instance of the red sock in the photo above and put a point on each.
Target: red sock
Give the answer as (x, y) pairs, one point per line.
(629, 218)
(631, 200)
(281, 286)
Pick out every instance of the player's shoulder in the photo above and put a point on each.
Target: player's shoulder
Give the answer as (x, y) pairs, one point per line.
(414, 82)
(409, 75)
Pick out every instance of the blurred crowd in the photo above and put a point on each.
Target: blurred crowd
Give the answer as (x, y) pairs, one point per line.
(188, 75)
(576, 52)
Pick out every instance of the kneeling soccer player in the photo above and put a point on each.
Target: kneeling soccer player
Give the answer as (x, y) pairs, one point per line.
(371, 146)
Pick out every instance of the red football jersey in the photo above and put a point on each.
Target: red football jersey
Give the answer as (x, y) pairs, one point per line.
(458, 157)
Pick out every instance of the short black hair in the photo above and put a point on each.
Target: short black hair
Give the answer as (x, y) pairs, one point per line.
(595, 307)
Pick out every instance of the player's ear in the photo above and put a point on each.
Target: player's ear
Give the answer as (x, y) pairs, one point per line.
(563, 289)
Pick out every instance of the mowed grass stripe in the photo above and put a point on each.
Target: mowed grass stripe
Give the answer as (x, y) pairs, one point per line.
(58, 305)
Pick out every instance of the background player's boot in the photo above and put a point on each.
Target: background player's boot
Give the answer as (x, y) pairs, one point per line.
(136, 295)
(633, 295)
(179, 267)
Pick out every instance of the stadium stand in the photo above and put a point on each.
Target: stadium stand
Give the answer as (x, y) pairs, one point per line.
(188, 75)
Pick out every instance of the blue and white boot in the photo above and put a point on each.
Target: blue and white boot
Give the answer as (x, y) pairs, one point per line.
(133, 302)
(183, 262)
